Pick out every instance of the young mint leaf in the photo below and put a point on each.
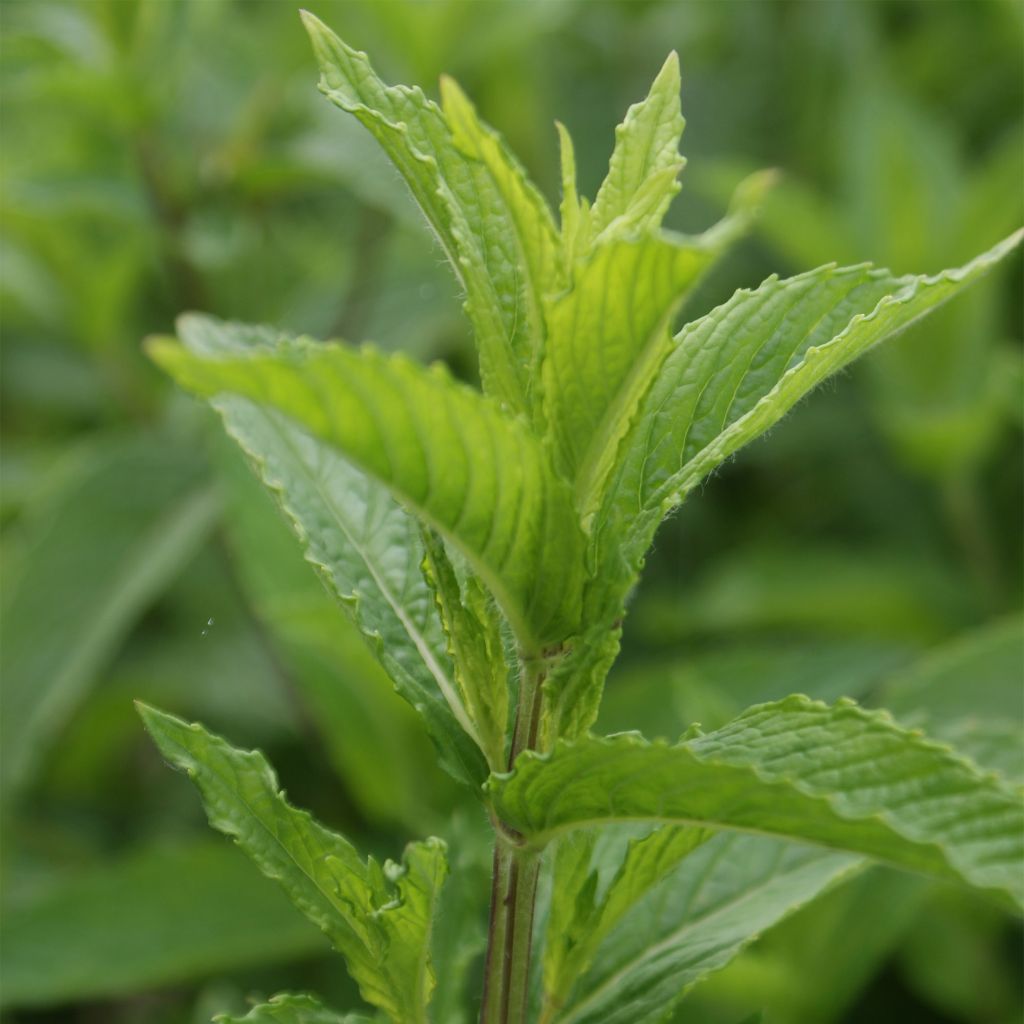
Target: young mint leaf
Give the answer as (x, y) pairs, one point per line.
(642, 173)
(474, 643)
(287, 1008)
(573, 211)
(365, 546)
(461, 201)
(539, 253)
(378, 918)
(609, 333)
(447, 452)
(839, 776)
(704, 912)
(581, 919)
(734, 373)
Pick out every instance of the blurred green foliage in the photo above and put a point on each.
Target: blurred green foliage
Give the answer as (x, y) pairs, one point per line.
(168, 155)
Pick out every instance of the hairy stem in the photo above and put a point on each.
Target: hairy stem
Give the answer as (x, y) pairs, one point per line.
(514, 883)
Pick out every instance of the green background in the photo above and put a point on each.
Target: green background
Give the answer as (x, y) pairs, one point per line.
(170, 155)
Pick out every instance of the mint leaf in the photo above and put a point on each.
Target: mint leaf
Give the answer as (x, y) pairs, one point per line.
(969, 692)
(287, 1008)
(364, 545)
(705, 911)
(460, 200)
(734, 373)
(839, 776)
(475, 645)
(641, 180)
(495, 496)
(378, 917)
(580, 919)
(539, 253)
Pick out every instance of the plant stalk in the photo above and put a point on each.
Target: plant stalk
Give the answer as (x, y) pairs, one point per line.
(514, 882)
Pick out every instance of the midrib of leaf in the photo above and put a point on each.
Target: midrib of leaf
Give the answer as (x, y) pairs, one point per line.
(445, 684)
(815, 361)
(922, 832)
(613, 981)
(600, 454)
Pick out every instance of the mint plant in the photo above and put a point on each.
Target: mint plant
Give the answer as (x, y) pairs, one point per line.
(486, 543)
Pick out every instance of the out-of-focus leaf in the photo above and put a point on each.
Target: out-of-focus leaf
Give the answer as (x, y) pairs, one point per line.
(293, 1009)
(960, 958)
(661, 698)
(155, 917)
(120, 532)
(969, 692)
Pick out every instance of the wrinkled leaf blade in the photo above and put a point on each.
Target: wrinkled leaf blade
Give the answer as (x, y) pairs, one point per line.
(839, 776)
(378, 920)
(495, 498)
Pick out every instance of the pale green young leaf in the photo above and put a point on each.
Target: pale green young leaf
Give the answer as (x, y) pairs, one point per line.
(474, 643)
(447, 452)
(839, 776)
(527, 211)
(581, 917)
(734, 373)
(572, 212)
(703, 912)
(378, 918)
(460, 200)
(289, 1008)
(610, 332)
(603, 350)
(365, 546)
(642, 173)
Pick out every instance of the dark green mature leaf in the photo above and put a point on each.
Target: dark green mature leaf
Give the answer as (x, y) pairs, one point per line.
(287, 1008)
(458, 194)
(714, 903)
(378, 918)
(154, 917)
(446, 451)
(132, 517)
(376, 741)
(839, 776)
(735, 372)
(365, 546)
